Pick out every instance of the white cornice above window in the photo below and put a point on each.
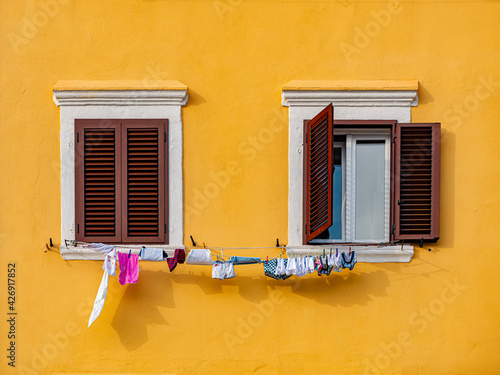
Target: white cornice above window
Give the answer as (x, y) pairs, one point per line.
(120, 93)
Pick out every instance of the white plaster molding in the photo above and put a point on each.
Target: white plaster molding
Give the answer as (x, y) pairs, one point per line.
(126, 104)
(121, 97)
(358, 98)
(386, 254)
(373, 103)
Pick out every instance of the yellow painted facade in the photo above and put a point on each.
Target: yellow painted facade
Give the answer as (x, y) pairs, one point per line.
(438, 314)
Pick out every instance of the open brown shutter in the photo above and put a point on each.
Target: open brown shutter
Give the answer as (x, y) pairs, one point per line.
(145, 183)
(318, 174)
(416, 181)
(97, 181)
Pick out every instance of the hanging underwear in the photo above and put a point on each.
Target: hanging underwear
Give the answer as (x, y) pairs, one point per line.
(348, 261)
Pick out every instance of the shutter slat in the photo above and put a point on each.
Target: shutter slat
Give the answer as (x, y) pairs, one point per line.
(417, 169)
(318, 173)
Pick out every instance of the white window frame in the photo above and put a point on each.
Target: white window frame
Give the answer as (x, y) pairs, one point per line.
(349, 179)
(120, 100)
(352, 100)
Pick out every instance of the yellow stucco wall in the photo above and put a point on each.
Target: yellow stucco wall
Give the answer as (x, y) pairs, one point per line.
(438, 314)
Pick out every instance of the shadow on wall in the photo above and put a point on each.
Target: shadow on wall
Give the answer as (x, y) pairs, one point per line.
(144, 300)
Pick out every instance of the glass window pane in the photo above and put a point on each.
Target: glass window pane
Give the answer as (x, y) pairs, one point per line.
(370, 190)
(335, 231)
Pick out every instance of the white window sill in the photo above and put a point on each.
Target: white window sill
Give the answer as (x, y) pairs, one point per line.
(386, 254)
(87, 253)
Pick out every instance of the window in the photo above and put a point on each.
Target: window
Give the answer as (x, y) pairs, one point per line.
(120, 184)
(87, 103)
(349, 181)
(368, 115)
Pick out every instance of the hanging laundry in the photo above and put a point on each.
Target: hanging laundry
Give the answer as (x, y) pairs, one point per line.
(151, 253)
(244, 260)
(100, 298)
(110, 262)
(349, 260)
(270, 270)
(223, 270)
(291, 267)
(324, 268)
(281, 266)
(179, 257)
(129, 268)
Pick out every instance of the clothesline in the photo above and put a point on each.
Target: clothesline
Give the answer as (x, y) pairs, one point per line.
(276, 268)
(317, 251)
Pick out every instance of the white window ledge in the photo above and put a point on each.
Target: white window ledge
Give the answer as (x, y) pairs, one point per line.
(385, 254)
(86, 253)
(120, 100)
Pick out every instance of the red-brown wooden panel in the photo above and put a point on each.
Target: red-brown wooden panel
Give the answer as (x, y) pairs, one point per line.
(318, 174)
(145, 181)
(97, 181)
(417, 181)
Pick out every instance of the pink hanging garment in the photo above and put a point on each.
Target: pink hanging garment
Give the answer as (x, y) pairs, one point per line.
(129, 268)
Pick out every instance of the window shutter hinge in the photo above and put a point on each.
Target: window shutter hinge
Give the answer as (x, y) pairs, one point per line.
(77, 228)
(399, 202)
(394, 138)
(78, 137)
(393, 228)
(306, 137)
(165, 228)
(305, 228)
(164, 136)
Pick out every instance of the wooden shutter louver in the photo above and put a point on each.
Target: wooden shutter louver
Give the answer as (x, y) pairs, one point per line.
(145, 182)
(318, 176)
(417, 180)
(97, 182)
(121, 181)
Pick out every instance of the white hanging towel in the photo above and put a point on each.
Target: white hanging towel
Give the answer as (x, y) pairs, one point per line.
(100, 298)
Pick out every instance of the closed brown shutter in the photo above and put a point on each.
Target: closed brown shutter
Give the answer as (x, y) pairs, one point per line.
(144, 174)
(97, 181)
(416, 181)
(121, 181)
(318, 176)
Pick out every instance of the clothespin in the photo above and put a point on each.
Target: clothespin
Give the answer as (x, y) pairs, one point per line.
(349, 251)
(46, 248)
(267, 259)
(129, 252)
(337, 252)
(204, 245)
(331, 251)
(323, 252)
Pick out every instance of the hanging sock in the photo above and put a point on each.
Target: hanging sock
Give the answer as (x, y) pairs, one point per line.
(270, 270)
(100, 298)
(291, 267)
(179, 257)
(129, 268)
